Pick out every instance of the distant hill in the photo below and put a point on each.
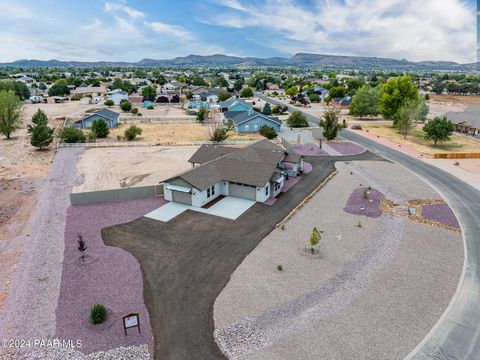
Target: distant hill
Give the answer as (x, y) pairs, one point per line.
(299, 60)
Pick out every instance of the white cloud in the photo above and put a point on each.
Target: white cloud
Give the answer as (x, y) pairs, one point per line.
(120, 6)
(412, 29)
(172, 30)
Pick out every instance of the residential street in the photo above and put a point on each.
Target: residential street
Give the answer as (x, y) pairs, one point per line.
(457, 334)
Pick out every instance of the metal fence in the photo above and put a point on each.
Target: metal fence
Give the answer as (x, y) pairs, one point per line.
(106, 196)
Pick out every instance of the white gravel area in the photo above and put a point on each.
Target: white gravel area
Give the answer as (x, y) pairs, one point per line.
(122, 353)
(387, 276)
(29, 312)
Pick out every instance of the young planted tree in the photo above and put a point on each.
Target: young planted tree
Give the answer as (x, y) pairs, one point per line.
(315, 238)
(132, 132)
(37, 119)
(81, 245)
(10, 113)
(330, 124)
(42, 136)
(100, 128)
(438, 129)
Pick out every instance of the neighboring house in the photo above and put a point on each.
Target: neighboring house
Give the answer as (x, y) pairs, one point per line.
(117, 96)
(26, 79)
(235, 104)
(256, 172)
(110, 117)
(90, 90)
(199, 90)
(319, 90)
(135, 98)
(467, 122)
(251, 121)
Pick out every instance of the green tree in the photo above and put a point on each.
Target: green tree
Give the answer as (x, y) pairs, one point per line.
(109, 102)
(42, 136)
(238, 84)
(198, 81)
(405, 116)
(182, 78)
(336, 92)
(267, 110)
(10, 113)
(365, 102)
(18, 87)
(37, 119)
(246, 92)
(330, 124)
(59, 90)
(314, 97)
(202, 115)
(291, 91)
(223, 95)
(72, 135)
(100, 128)
(149, 93)
(219, 133)
(394, 94)
(132, 132)
(422, 109)
(125, 105)
(438, 129)
(297, 119)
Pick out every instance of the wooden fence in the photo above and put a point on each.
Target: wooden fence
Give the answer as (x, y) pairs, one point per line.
(457, 156)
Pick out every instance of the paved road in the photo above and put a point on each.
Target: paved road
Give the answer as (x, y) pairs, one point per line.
(457, 334)
(187, 261)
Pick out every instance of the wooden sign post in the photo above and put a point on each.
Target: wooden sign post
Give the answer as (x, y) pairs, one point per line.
(131, 321)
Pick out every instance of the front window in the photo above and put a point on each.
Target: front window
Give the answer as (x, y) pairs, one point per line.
(247, 127)
(208, 192)
(266, 190)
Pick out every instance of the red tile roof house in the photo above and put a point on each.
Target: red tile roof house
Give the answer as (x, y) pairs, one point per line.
(256, 172)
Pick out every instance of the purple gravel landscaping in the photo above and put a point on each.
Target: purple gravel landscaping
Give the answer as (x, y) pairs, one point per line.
(440, 213)
(108, 275)
(358, 205)
(347, 148)
(308, 150)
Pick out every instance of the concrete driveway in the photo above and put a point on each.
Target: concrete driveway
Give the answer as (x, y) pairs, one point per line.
(229, 207)
(187, 261)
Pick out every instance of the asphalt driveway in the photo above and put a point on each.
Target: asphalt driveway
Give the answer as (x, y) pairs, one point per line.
(187, 262)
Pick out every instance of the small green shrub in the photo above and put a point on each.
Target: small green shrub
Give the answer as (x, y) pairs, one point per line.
(125, 105)
(150, 107)
(282, 227)
(132, 132)
(279, 267)
(109, 103)
(72, 135)
(134, 111)
(365, 194)
(268, 131)
(359, 224)
(98, 314)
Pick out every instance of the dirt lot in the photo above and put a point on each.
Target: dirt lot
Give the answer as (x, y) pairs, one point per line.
(456, 99)
(415, 139)
(22, 169)
(160, 111)
(115, 168)
(472, 165)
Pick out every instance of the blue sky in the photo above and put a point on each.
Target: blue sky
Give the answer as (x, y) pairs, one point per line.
(130, 30)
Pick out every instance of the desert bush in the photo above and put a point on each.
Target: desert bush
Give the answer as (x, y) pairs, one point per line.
(279, 267)
(132, 132)
(109, 103)
(134, 111)
(72, 135)
(98, 314)
(125, 105)
(268, 131)
(150, 107)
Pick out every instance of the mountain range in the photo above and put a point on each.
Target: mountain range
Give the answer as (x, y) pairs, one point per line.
(298, 60)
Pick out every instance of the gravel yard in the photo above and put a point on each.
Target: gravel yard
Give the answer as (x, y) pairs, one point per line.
(29, 311)
(105, 273)
(328, 149)
(322, 307)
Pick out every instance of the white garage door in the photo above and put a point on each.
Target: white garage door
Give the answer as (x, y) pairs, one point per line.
(182, 197)
(242, 191)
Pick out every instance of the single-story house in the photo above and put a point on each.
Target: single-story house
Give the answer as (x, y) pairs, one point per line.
(90, 90)
(466, 122)
(110, 117)
(199, 90)
(256, 172)
(117, 96)
(251, 121)
(235, 104)
(135, 98)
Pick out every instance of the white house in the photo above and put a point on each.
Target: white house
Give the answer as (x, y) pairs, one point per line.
(117, 96)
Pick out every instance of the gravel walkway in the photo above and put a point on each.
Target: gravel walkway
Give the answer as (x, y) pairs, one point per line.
(108, 275)
(30, 308)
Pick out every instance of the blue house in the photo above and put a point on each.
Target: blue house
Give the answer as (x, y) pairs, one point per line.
(251, 121)
(234, 104)
(110, 117)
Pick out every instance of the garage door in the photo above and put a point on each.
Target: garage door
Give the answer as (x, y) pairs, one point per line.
(182, 197)
(242, 191)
